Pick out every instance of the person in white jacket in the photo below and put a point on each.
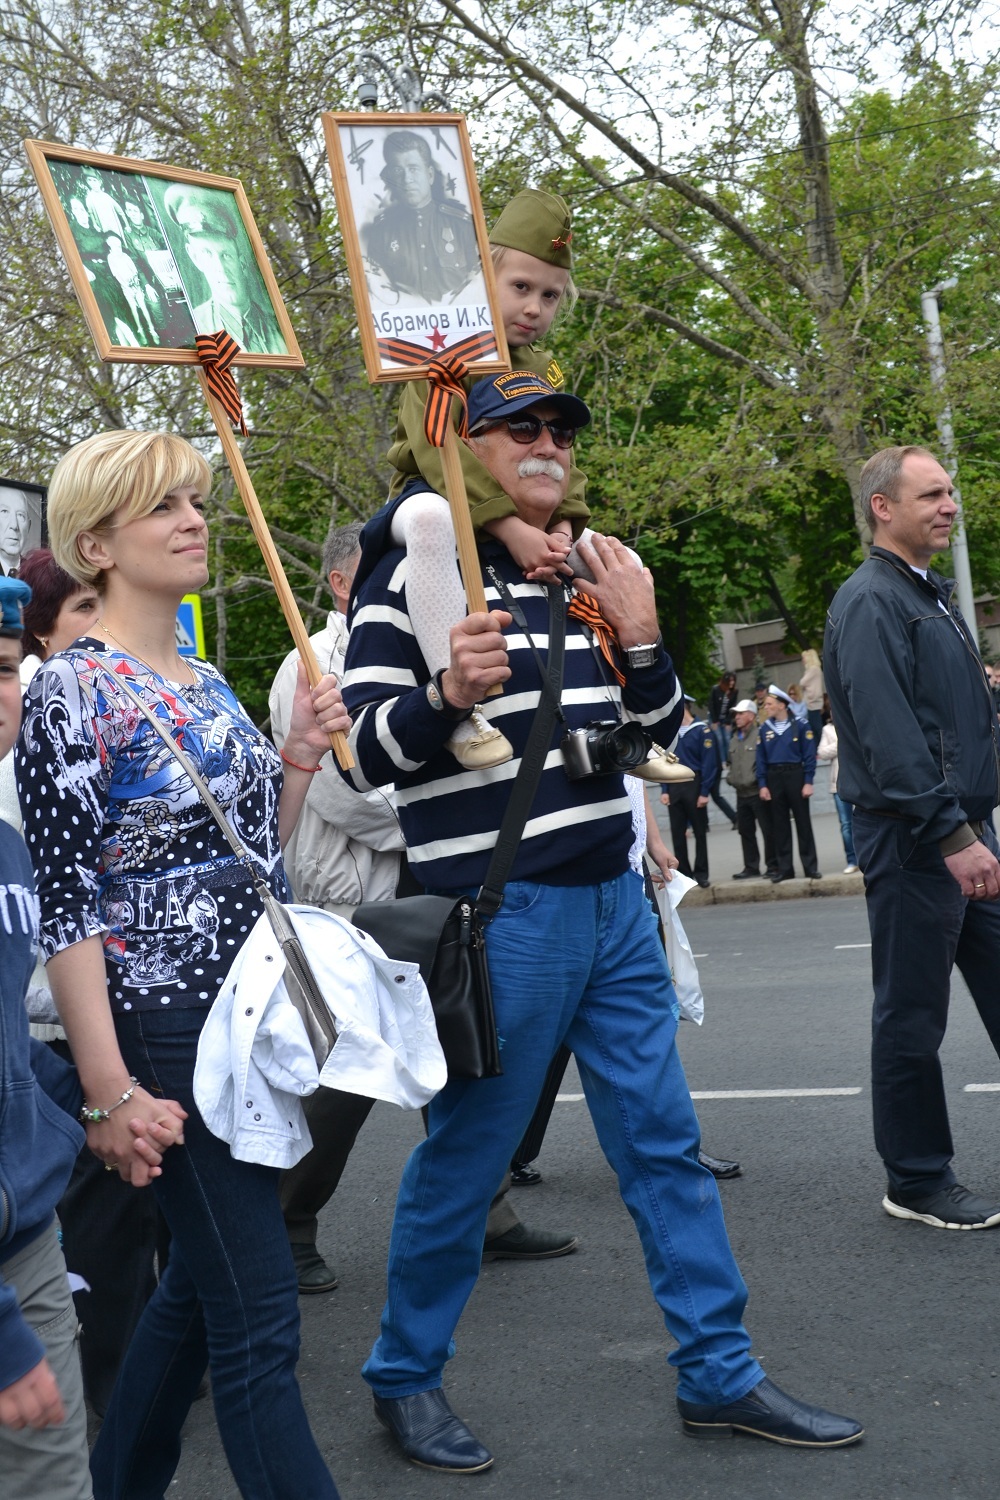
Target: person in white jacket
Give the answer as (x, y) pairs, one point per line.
(345, 850)
(827, 750)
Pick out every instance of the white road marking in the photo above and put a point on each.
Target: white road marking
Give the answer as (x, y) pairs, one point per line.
(771, 1093)
(837, 947)
(969, 1088)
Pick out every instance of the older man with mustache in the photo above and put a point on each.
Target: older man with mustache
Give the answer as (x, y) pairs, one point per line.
(573, 950)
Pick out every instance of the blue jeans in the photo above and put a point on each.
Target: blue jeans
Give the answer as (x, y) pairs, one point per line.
(228, 1299)
(581, 964)
(845, 812)
(921, 927)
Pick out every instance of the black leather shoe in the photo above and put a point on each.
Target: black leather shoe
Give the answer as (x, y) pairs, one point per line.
(720, 1169)
(771, 1413)
(777, 879)
(747, 875)
(311, 1270)
(953, 1207)
(704, 884)
(522, 1174)
(522, 1243)
(429, 1434)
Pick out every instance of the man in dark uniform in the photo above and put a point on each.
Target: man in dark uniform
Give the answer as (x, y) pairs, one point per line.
(422, 243)
(786, 770)
(688, 800)
(750, 810)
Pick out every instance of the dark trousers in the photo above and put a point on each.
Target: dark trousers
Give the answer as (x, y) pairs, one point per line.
(228, 1298)
(921, 925)
(787, 802)
(112, 1234)
(751, 812)
(683, 810)
(334, 1119)
(723, 803)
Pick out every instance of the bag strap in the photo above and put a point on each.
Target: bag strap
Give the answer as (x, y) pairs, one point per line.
(198, 781)
(529, 772)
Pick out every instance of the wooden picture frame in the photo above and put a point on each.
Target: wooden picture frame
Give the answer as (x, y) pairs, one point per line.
(416, 243)
(22, 521)
(158, 253)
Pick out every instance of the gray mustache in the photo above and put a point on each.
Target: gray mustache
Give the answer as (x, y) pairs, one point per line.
(547, 466)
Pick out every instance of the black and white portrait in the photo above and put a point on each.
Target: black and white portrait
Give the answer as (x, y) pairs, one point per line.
(414, 236)
(22, 523)
(420, 241)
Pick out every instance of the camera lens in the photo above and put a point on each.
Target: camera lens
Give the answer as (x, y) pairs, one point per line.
(628, 745)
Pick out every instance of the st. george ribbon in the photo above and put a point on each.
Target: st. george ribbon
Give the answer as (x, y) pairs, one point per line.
(445, 374)
(216, 352)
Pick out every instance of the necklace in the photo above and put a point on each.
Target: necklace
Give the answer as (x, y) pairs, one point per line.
(129, 652)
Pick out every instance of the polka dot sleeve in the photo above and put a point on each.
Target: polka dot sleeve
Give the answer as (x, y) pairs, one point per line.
(62, 786)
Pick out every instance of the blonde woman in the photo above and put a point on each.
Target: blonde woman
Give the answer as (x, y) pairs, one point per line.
(812, 688)
(143, 909)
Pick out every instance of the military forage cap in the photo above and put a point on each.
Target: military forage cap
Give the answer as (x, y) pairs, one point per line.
(537, 223)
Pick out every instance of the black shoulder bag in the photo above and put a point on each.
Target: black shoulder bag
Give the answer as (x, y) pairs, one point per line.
(445, 935)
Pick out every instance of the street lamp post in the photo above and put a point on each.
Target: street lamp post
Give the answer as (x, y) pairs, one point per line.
(405, 84)
(930, 305)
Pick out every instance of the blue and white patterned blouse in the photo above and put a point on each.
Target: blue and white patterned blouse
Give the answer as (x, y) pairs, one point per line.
(122, 844)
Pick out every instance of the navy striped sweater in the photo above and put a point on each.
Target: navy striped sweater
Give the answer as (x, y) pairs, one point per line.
(578, 832)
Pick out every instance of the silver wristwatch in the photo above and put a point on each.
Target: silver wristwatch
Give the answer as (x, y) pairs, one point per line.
(439, 703)
(644, 655)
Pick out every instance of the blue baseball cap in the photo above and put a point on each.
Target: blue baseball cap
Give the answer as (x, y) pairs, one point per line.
(13, 593)
(503, 395)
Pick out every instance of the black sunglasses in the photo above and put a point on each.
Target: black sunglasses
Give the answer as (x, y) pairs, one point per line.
(528, 429)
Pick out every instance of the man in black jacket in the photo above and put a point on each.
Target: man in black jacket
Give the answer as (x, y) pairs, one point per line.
(919, 748)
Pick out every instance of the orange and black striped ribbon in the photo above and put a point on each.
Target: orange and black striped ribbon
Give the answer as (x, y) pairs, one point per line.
(445, 374)
(217, 352)
(582, 607)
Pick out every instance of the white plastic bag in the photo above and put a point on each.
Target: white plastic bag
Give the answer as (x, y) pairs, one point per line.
(682, 965)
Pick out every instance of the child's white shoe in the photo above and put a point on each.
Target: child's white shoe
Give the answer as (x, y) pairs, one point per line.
(663, 765)
(477, 744)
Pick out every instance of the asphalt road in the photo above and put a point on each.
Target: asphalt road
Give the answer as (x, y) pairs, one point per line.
(561, 1366)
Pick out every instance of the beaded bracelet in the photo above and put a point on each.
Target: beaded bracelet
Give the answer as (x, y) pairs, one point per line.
(97, 1116)
(310, 769)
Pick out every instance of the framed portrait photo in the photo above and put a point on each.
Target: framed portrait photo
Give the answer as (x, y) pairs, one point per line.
(157, 254)
(22, 522)
(415, 241)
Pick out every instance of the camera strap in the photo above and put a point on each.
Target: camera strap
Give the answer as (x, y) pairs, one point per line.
(514, 609)
(529, 772)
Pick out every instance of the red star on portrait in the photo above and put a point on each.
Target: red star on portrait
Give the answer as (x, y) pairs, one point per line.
(437, 339)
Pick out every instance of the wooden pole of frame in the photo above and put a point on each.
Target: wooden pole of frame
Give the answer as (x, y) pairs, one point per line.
(468, 557)
(289, 608)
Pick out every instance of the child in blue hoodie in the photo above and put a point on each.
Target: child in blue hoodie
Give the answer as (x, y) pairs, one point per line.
(43, 1424)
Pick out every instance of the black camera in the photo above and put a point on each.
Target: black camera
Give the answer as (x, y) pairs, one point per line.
(604, 746)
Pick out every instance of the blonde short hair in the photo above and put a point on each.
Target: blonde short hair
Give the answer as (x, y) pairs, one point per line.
(117, 475)
(498, 254)
(810, 657)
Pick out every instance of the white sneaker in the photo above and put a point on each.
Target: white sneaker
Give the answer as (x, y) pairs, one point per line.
(477, 744)
(850, 869)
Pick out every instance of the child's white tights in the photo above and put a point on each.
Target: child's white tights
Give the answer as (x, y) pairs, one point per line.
(434, 593)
